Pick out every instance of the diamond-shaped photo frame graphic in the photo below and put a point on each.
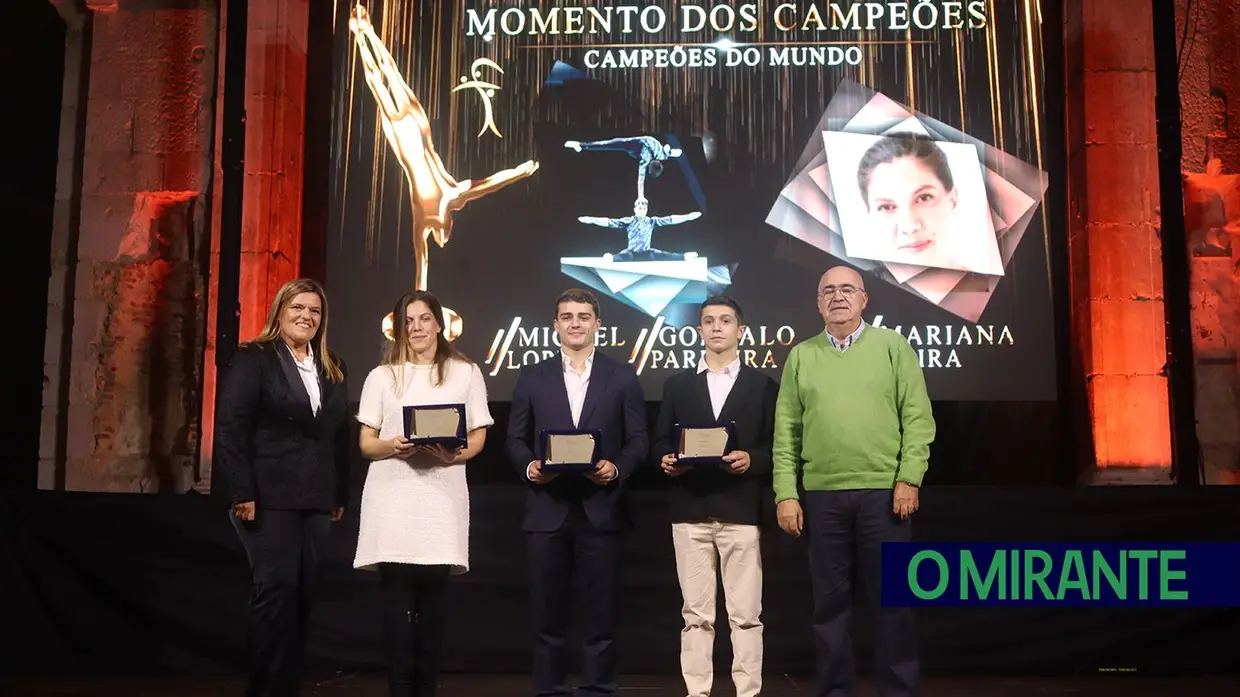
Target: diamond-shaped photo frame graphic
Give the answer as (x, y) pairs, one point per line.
(806, 210)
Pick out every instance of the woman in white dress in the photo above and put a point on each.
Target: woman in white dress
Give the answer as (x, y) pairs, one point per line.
(415, 504)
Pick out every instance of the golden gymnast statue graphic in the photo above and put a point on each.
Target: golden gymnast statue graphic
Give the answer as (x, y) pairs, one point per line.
(434, 193)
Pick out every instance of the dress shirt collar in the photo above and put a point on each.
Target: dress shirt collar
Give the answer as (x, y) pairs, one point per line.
(848, 340)
(309, 359)
(568, 363)
(730, 370)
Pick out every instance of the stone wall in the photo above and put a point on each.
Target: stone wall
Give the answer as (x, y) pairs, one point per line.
(1210, 79)
(130, 247)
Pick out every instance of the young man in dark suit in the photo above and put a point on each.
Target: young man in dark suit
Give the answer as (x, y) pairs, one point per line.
(716, 509)
(572, 520)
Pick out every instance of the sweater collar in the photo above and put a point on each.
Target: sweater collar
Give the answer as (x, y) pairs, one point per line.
(848, 340)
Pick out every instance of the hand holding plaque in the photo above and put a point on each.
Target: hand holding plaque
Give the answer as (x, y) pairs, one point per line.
(436, 424)
(569, 451)
(699, 445)
(737, 462)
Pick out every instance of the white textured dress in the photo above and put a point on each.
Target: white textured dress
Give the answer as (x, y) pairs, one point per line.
(412, 514)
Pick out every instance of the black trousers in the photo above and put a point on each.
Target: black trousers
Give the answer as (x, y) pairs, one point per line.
(284, 549)
(414, 608)
(577, 557)
(846, 530)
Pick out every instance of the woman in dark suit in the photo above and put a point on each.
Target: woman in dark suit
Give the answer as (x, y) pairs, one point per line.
(282, 439)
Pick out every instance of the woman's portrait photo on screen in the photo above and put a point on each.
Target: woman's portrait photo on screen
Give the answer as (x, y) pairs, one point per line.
(904, 198)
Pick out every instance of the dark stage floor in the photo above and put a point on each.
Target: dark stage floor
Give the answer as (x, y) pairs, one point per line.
(370, 685)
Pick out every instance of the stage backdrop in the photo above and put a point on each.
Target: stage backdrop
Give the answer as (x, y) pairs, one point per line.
(497, 153)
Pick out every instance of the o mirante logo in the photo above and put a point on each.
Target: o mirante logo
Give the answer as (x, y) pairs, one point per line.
(1191, 574)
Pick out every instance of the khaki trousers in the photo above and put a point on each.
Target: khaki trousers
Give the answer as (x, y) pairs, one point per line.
(701, 550)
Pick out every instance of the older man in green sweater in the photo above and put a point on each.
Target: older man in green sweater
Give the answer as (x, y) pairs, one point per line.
(853, 428)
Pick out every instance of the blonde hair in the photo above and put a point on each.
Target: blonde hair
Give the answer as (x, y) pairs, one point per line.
(399, 352)
(271, 329)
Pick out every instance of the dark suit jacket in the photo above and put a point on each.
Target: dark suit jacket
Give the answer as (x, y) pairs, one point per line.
(271, 446)
(614, 405)
(708, 491)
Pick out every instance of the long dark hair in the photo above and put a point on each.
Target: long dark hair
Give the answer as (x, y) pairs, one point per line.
(399, 352)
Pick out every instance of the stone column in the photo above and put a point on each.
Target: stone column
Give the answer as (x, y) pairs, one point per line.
(57, 348)
(274, 150)
(275, 89)
(1116, 254)
(129, 261)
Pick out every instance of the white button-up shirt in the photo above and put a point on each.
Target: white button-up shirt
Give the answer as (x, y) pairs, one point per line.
(720, 382)
(576, 384)
(310, 378)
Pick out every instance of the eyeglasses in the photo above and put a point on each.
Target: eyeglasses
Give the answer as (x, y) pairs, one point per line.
(846, 291)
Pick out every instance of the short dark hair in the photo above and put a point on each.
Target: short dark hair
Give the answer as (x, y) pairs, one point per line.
(725, 301)
(893, 147)
(577, 295)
